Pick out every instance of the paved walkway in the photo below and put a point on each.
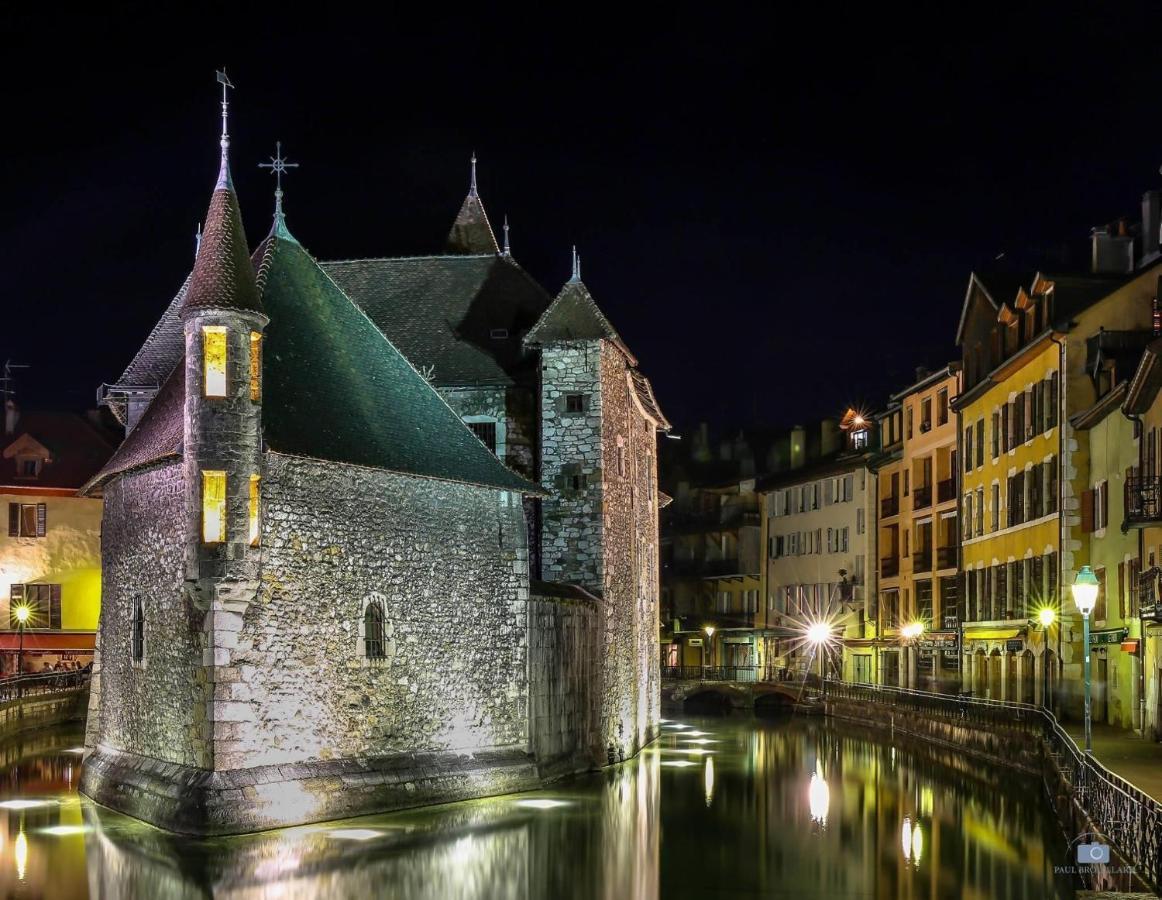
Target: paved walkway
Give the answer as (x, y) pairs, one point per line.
(1137, 760)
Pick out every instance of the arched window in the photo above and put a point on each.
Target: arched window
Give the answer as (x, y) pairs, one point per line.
(138, 631)
(374, 638)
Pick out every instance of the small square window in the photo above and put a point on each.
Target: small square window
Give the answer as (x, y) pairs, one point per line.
(498, 334)
(575, 403)
(29, 468)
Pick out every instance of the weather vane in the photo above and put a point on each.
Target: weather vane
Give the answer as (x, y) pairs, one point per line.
(278, 166)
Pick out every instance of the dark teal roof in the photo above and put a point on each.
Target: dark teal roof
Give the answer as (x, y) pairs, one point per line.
(335, 388)
(575, 316)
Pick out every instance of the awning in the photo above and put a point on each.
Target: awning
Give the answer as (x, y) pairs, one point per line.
(991, 634)
(40, 641)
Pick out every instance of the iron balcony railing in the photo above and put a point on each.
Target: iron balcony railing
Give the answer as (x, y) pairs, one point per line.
(922, 560)
(922, 496)
(1143, 499)
(946, 557)
(712, 673)
(1122, 813)
(946, 490)
(889, 566)
(889, 506)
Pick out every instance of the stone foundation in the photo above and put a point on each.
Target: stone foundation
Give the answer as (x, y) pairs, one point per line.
(195, 801)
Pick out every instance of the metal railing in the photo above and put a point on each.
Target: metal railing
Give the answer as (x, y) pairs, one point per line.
(713, 673)
(1143, 499)
(946, 557)
(945, 490)
(1126, 815)
(22, 686)
(889, 566)
(922, 496)
(889, 506)
(922, 560)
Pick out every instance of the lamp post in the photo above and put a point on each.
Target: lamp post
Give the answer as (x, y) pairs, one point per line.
(819, 634)
(21, 620)
(910, 633)
(1046, 618)
(1085, 588)
(709, 629)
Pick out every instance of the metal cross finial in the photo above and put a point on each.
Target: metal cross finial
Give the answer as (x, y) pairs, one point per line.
(507, 249)
(576, 265)
(278, 167)
(226, 84)
(197, 240)
(472, 182)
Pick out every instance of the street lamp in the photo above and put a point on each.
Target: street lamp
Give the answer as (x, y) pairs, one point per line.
(1085, 588)
(22, 612)
(709, 629)
(818, 634)
(1047, 618)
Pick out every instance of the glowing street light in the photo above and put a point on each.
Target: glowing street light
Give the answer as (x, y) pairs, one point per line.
(1047, 616)
(912, 630)
(1085, 591)
(819, 633)
(709, 629)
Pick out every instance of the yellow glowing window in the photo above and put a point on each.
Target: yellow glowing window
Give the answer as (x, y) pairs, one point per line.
(255, 366)
(213, 507)
(253, 510)
(214, 359)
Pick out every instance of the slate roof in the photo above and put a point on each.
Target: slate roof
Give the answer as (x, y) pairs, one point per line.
(471, 231)
(158, 434)
(574, 316)
(77, 449)
(447, 312)
(335, 388)
(223, 277)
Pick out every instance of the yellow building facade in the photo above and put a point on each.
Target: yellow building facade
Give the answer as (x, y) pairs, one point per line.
(1025, 474)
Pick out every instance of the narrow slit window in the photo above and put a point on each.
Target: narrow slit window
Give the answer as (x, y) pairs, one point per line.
(213, 507)
(254, 506)
(255, 366)
(214, 359)
(138, 632)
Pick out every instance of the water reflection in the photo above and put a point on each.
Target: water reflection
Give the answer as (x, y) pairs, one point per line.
(793, 808)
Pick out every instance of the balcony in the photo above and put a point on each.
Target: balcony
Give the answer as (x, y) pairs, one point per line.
(922, 560)
(1143, 500)
(922, 496)
(889, 566)
(946, 490)
(945, 557)
(889, 506)
(925, 426)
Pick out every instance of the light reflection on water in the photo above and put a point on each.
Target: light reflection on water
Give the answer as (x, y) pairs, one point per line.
(795, 808)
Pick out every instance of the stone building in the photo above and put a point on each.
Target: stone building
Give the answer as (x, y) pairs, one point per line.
(324, 588)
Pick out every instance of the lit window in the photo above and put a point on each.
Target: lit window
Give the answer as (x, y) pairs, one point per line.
(214, 359)
(213, 507)
(255, 366)
(254, 510)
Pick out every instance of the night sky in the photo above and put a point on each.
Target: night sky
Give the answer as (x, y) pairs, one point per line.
(778, 214)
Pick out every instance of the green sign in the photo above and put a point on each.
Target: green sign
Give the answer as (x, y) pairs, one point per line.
(1111, 636)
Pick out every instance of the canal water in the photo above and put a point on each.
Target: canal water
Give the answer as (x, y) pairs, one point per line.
(718, 807)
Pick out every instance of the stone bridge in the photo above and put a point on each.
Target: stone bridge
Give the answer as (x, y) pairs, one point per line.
(757, 695)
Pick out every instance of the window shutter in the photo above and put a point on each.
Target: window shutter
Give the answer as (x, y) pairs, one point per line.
(1087, 512)
(1035, 492)
(15, 598)
(1122, 589)
(1105, 504)
(41, 519)
(14, 520)
(980, 442)
(1052, 410)
(54, 606)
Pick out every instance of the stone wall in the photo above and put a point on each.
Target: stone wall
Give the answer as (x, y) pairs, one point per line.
(565, 652)
(449, 565)
(630, 548)
(156, 708)
(571, 448)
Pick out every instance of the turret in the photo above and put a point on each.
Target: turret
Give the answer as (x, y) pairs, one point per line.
(223, 320)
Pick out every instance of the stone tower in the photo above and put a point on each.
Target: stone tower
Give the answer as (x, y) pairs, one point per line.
(599, 424)
(222, 321)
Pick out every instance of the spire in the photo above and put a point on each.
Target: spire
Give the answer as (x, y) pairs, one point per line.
(472, 232)
(224, 181)
(197, 240)
(576, 265)
(507, 249)
(278, 167)
(223, 278)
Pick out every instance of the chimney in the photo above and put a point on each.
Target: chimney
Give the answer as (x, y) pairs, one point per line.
(828, 437)
(1151, 223)
(1113, 250)
(11, 416)
(798, 446)
(921, 373)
